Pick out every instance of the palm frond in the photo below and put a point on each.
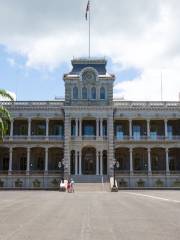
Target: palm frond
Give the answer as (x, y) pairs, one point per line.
(5, 94)
(4, 114)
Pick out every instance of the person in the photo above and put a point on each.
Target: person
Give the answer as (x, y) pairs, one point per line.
(72, 185)
(62, 186)
(69, 187)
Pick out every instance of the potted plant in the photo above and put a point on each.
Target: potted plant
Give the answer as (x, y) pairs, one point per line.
(36, 183)
(140, 183)
(55, 182)
(159, 183)
(176, 183)
(122, 183)
(1, 183)
(18, 183)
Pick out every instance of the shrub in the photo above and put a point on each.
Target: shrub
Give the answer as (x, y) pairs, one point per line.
(36, 183)
(18, 183)
(141, 183)
(159, 183)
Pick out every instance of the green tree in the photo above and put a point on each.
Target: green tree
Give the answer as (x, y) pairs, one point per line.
(4, 114)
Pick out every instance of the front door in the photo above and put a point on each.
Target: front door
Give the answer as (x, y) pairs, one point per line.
(89, 161)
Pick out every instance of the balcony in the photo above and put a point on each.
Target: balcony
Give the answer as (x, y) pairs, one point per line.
(147, 138)
(33, 138)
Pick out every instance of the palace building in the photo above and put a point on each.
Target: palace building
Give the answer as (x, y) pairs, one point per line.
(84, 134)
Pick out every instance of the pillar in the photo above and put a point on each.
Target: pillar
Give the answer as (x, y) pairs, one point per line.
(130, 128)
(97, 127)
(149, 162)
(131, 161)
(76, 130)
(101, 162)
(29, 127)
(46, 160)
(76, 162)
(97, 163)
(167, 161)
(80, 127)
(80, 163)
(28, 161)
(12, 128)
(10, 160)
(101, 127)
(148, 128)
(47, 128)
(166, 128)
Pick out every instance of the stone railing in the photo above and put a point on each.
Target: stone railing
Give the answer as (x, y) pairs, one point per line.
(146, 138)
(145, 104)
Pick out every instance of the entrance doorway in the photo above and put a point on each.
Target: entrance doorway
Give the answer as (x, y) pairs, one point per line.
(89, 161)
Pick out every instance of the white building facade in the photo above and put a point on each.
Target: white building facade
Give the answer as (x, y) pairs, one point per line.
(84, 134)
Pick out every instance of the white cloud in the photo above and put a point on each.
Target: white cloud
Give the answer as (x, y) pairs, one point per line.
(141, 34)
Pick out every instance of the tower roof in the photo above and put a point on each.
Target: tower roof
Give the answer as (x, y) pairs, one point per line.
(79, 63)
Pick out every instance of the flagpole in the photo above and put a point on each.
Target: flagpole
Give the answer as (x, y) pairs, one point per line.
(89, 29)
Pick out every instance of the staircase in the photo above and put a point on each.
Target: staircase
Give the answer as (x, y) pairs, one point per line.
(91, 183)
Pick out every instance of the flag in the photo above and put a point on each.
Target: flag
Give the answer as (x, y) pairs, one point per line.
(87, 9)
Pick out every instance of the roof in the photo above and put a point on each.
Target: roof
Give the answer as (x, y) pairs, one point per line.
(97, 63)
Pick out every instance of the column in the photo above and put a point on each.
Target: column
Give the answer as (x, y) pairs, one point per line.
(167, 161)
(97, 127)
(97, 163)
(149, 162)
(47, 128)
(130, 128)
(76, 162)
(80, 127)
(80, 163)
(131, 160)
(46, 160)
(10, 160)
(148, 128)
(166, 130)
(76, 130)
(28, 161)
(101, 162)
(29, 127)
(12, 128)
(101, 127)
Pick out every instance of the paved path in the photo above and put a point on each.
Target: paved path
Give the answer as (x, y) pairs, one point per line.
(131, 215)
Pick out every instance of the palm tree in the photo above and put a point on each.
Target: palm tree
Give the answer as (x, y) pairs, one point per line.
(4, 114)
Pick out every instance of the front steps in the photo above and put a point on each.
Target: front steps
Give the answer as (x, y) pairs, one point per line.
(91, 183)
(89, 178)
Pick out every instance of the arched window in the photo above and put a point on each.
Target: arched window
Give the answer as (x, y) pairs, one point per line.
(93, 93)
(75, 93)
(102, 93)
(84, 93)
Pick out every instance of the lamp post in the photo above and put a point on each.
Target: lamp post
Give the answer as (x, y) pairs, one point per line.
(115, 166)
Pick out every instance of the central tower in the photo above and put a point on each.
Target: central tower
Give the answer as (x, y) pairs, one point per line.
(88, 146)
(88, 83)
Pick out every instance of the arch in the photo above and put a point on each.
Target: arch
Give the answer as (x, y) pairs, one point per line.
(75, 93)
(55, 155)
(122, 156)
(19, 159)
(37, 161)
(93, 93)
(102, 93)
(4, 158)
(158, 162)
(84, 93)
(140, 159)
(89, 161)
(174, 156)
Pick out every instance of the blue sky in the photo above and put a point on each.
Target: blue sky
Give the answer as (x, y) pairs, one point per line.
(42, 84)
(140, 39)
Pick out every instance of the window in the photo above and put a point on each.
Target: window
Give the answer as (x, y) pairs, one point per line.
(75, 93)
(102, 93)
(93, 93)
(84, 93)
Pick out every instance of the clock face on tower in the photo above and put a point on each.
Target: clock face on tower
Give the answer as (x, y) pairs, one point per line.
(89, 77)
